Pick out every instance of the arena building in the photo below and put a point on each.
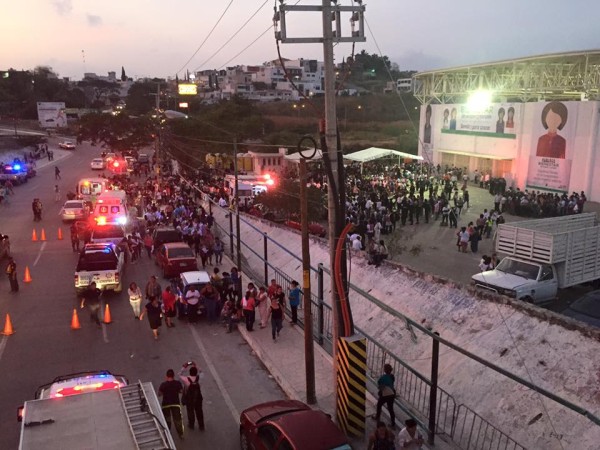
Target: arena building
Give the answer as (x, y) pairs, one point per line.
(534, 121)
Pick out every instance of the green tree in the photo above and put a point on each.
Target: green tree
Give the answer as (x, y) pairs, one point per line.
(117, 132)
(141, 98)
(284, 199)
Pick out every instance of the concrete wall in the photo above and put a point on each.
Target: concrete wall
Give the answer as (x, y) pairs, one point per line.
(535, 344)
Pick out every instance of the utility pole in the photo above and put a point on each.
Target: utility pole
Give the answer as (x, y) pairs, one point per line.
(342, 319)
(309, 349)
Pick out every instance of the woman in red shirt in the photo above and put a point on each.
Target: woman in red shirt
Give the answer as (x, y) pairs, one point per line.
(169, 299)
(248, 304)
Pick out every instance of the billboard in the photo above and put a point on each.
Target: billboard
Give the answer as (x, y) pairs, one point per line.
(51, 114)
(187, 89)
(496, 120)
(552, 146)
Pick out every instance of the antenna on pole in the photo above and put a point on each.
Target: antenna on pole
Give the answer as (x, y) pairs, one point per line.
(83, 59)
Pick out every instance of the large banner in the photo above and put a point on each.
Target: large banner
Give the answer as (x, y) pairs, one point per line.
(51, 114)
(496, 120)
(550, 162)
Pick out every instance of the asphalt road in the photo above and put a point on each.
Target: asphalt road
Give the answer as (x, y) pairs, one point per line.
(44, 346)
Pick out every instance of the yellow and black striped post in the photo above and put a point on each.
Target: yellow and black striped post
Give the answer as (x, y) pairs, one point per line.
(351, 384)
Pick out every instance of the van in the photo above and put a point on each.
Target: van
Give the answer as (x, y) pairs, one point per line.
(111, 208)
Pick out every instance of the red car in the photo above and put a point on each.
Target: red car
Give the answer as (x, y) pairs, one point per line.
(174, 258)
(289, 425)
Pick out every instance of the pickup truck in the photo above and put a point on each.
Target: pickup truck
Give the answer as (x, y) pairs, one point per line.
(544, 255)
(102, 263)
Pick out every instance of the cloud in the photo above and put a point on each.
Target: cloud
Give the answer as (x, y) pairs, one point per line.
(93, 20)
(63, 7)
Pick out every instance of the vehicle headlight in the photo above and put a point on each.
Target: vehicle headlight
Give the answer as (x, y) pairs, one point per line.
(509, 293)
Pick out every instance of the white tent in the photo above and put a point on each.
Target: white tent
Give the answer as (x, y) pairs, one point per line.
(373, 153)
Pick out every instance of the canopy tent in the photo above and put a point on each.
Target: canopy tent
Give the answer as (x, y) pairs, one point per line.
(373, 153)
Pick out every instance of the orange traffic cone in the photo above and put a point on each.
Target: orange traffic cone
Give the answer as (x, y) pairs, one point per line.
(34, 236)
(60, 236)
(107, 318)
(8, 329)
(75, 320)
(43, 236)
(27, 278)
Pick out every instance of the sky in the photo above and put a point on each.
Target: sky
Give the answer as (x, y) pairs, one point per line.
(157, 38)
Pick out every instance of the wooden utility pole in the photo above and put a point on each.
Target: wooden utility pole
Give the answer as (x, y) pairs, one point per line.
(309, 349)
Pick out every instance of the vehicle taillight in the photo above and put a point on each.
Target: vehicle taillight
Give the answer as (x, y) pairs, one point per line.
(20, 413)
(76, 279)
(117, 277)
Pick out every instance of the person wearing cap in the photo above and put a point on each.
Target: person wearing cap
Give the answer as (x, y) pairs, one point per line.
(409, 438)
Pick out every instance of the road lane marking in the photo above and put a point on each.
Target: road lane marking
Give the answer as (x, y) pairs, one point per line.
(3, 345)
(39, 254)
(211, 367)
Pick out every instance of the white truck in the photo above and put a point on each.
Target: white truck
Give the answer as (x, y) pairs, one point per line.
(544, 255)
(94, 410)
(102, 263)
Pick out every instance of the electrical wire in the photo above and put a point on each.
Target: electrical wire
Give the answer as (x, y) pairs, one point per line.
(232, 36)
(247, 46)
(412, 122)
(207, 36)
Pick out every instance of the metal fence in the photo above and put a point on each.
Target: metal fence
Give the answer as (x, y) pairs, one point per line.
(467, 429)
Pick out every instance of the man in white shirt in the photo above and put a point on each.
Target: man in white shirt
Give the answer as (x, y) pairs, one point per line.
(357, 244)
(409, 438)
(192, 298)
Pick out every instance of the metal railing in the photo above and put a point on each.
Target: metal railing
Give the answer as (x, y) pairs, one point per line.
(465, 427)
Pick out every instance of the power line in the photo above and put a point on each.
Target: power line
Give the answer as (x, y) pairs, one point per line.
(207, 36)
(234, 35)
(247, 46)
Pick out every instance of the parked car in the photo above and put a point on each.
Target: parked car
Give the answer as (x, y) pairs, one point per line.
(174, 258)
(165, 235)
(586, 309)
(290, 425)
(97, 164)
(74, 210)
(313, 227)
(67, 145)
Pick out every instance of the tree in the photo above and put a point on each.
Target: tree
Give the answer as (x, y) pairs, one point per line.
(284, 198)
(123, 76)
(141, 97)
(117, 132)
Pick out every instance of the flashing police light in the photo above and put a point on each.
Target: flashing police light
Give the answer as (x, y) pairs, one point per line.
(17, 167)
(270, 182)
(122, 220)
(101, 220)
(116, 164)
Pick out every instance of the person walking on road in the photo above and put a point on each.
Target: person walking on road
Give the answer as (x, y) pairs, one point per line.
(169, 300)
(192, 298)
(135, 299)
(276, 311)
(11, 272)
(170, 390)
(74, 237)
(154, 311)
(57, 195)
(153, 289)
(192, 394)
(91, 297)
(57, 173)
(387, 394)
(409, 438)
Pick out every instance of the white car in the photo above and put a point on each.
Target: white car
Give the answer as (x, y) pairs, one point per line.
(97, 164)
(74, 210)
(67, 145)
